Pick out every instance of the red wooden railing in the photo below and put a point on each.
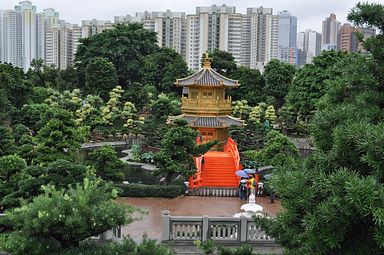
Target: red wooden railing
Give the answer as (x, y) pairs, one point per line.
(231, 147)
(196, 180)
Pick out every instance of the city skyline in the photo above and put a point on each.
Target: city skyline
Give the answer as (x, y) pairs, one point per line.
(310, 14)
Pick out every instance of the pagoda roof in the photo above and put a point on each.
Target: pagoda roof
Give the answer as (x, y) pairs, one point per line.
(209, 121)
(207, 77)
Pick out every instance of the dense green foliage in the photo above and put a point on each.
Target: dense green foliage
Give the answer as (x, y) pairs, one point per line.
(143, 190)
(222, 61)
(100, 77)
(313, 80)
(338, 191)
(125, 46)
(278, 76)
(14, 90)
(128, 246)
(108, 166)
(251, 85)
(278, 151)
(59, 137)
(178, 149)
(60, 219)
(162, 68)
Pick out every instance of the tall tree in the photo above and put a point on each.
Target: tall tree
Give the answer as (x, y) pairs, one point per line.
(178, 149)
(278, 77)
(162, 68)
(251, 85)
(14, 90)
(312, 81)
(100, 77)
(338, 191)
(59, 137)
(125, 46)
(223, 62)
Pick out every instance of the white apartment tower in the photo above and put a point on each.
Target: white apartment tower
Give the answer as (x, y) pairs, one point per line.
(9, 38)
(264, 36)
(27, 31)
(170, 28)
(309, 42)
(22, 35)
(40, 35)
(214, 27)
(61, 44)
(92, 27)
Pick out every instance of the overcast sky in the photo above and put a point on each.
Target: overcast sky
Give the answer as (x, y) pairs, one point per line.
(310, 13)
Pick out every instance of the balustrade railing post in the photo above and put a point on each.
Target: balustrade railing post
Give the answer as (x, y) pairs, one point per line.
(165, 235)
(243, 228)
(205, 228)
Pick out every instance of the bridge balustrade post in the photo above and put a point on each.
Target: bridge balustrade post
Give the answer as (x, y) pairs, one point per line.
(165, 235)
(205, 228)
(243, 228)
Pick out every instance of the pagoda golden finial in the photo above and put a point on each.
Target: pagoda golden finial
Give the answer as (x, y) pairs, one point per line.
(207, 60)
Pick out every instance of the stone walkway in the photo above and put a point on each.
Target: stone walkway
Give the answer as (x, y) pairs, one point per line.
(93, 145)
(151, 223)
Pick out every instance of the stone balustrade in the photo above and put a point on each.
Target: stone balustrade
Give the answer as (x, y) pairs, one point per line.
(228, 230)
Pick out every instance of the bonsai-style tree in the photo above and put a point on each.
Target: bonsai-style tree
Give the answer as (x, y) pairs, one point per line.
(178, 149)
(61, 219)
(108, 166)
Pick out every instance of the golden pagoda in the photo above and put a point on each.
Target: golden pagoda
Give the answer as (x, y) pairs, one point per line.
(206, 107)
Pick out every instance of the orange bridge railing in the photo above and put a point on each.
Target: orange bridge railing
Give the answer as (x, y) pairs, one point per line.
(196, 180)
(231, 147)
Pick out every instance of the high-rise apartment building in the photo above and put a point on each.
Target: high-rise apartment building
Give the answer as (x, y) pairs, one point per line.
(94, 26)
(287, 33)
(170, 28)
(40, 35)
(213, 27)
(22, 35)
(9, 38)
(27, 31)
(62, 41)
(264, 32)
(348, 37)
(309, 42)
(330, 32)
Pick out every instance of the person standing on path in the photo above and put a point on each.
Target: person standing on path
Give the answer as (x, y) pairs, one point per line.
(251, 185)
(243, 189)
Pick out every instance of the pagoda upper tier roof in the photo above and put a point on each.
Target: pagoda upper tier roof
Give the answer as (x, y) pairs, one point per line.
(209, 121)
(206, 77)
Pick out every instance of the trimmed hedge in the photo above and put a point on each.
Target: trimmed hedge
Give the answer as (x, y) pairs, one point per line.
(128, 246)
(143, 190)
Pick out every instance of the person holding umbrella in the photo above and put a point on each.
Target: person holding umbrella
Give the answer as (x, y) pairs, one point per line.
(243, 189)
(251, 184)
(242, 184)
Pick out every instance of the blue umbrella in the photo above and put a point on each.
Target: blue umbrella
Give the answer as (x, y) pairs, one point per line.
(249, 171)
(241, 173)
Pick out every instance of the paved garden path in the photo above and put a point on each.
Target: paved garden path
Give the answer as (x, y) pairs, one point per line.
(151, 223)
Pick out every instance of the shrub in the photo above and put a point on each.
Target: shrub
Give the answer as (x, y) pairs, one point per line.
(142, 190)
(128, 246)
(61, 219)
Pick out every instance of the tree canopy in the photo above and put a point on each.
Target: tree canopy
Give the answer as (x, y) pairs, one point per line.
(338, 191)
(125, 46)
(278, 77)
